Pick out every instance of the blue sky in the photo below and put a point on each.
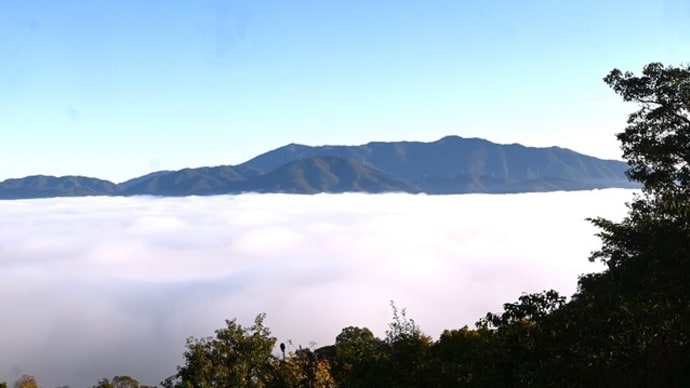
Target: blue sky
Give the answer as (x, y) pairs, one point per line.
(117, 89)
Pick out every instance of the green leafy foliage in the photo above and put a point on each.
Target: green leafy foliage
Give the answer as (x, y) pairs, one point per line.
(235, 357)
(360, 358)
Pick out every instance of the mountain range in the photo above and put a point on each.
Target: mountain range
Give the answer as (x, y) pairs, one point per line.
(451, 165)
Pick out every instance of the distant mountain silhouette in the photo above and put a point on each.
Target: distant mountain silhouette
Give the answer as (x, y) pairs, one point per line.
(189, 181)
(449, 165)
(42, 186)
(457, 165)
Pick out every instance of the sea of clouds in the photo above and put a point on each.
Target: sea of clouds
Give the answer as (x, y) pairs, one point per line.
(102, 286)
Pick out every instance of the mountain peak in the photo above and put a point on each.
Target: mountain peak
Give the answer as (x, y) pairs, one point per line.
(450, 165)
(450, 138)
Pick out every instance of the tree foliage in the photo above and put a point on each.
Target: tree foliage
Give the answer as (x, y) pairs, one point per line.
(26, 381)
(236, 357)
(645, 291)
(120, 382)
(656, 142)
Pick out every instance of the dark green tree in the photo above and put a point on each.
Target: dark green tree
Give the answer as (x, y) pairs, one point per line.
(468, 358)
(644, 295)
(519, 338)
(626, 326)
(656, 142)
(409, 362)
(359, 359)
(236, 357)
(402, 359)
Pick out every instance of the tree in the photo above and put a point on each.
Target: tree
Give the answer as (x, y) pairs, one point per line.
(519, 338)
(645, 291)
(656, 141)
(626, 326)
(402, 359)
(409, 362)
(303, 368)
(236, 357)
(648, 253)
(119, 382)
(26, 381)
(359, 359)
(530, 308)
(468, 358)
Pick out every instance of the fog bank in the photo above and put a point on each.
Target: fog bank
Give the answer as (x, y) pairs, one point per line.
(102, 286)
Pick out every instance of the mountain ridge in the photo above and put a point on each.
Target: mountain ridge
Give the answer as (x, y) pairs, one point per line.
(450, 165)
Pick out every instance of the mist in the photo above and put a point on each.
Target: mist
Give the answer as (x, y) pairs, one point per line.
(101, 286)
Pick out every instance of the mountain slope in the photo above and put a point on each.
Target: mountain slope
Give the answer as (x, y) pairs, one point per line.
(189, 181)
(454, 164)
(328, 174)
(42, 186)
(446, 166)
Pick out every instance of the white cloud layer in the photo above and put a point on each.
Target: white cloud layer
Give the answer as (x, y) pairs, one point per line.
(96, 287)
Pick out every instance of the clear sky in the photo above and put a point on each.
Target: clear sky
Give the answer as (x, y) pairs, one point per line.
(116, 89)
